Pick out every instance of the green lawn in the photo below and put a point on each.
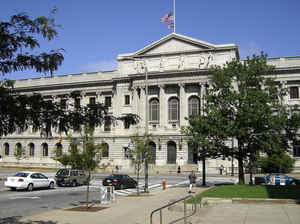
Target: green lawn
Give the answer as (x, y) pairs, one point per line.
(252, 191)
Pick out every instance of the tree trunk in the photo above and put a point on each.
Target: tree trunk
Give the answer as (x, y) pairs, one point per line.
(241, 170)
(87, 191)
(203, 172)
(146, 177)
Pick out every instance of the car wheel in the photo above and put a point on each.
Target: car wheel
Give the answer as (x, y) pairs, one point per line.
(51, 185)
(30, 187)
(74, 183)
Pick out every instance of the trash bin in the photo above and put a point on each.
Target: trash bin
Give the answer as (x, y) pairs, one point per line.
(107, 194)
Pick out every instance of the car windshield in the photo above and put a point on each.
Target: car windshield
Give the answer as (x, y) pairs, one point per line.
(62, 172)
(21, 174)
(114, 176)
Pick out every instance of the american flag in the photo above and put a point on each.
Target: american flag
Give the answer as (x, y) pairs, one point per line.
(170, 25)
(167, 17)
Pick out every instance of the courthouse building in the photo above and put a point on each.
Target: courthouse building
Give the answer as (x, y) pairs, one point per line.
(175, 69)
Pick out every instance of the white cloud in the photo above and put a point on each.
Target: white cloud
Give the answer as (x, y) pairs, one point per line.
(101, 66)
(249, 50)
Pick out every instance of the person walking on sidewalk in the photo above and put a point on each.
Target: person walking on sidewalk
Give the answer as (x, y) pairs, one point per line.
(192, 178)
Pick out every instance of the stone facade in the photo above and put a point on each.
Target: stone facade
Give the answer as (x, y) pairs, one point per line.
(175, 68)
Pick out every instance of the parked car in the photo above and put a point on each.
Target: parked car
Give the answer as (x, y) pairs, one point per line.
(119, 181)
(280, 179)
(71, 177)
(29, 180)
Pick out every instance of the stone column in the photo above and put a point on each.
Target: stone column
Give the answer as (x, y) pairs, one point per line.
(284, 98)
(163, 111)
(182, 108)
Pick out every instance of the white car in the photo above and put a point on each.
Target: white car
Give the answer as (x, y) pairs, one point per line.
(29, 180)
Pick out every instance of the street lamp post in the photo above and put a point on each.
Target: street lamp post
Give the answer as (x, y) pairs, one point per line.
(146, 126)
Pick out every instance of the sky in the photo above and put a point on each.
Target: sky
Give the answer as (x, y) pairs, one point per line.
(94, 32)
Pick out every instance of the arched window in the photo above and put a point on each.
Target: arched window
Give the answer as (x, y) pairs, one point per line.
(105, 150)
(154, 110)
(31, 149)
(194, 105)
(173, 109)
(6, 149)
(45, 149)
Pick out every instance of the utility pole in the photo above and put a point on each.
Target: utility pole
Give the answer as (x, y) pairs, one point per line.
(146, 128)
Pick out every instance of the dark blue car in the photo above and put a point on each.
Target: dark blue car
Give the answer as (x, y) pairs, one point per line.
(280, 179)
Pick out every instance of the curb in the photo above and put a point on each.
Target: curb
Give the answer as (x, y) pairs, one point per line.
(215, 201)
(208, 202)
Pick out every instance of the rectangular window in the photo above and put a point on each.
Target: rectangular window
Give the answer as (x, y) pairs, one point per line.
(63, 103)
(107, 125)
(77, 103)
(127, 99)
(92, 100)
(294, 92)
(107, 101)
(126, 124)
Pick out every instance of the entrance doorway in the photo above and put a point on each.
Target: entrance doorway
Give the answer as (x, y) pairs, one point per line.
(171, 152)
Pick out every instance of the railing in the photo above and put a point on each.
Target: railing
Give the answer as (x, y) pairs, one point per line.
(184, 210)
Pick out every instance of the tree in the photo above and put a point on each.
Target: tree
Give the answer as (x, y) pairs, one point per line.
(276, 163)
(142, 154)
(242, 103)
(203, 139)
(19, 38)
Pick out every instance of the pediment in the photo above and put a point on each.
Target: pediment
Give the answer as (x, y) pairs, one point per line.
(174, 43)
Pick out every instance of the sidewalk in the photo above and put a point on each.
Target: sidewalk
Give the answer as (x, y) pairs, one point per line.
(126, 210)
(137, 210)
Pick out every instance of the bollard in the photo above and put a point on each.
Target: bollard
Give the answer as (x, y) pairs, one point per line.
(164, 185)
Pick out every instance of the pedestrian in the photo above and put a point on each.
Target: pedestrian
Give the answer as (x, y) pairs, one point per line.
(221, 169)
(192, 178)
(179, 170)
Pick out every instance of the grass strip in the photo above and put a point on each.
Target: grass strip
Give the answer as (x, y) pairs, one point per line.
(251, 191)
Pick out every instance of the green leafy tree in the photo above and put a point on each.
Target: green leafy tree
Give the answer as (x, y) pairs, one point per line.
(142, 154)
(19, 39)
(276, 163)
(19, 43)
(242, 103)
(203, 138)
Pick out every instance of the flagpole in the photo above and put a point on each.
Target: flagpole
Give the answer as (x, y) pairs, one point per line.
(174, 16)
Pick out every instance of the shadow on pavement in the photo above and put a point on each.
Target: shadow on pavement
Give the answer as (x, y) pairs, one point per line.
(284, 192)
(16, 220)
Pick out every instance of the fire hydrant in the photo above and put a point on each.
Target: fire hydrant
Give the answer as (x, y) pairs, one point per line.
(164, 185)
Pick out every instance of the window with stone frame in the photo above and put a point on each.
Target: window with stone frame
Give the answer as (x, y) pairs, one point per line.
(173, 106)
(77, 103)
(45, 149)
(6, 149)
(127, 99)
(154, 110)
(107, 124)
(92, 100)
(294, 92)
(31, 149)
(107, 101)
(105, 150)
(63, 103)
(296, 149)
(194, 105)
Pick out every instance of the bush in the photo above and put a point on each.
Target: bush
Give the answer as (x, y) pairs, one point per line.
(277, 163)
